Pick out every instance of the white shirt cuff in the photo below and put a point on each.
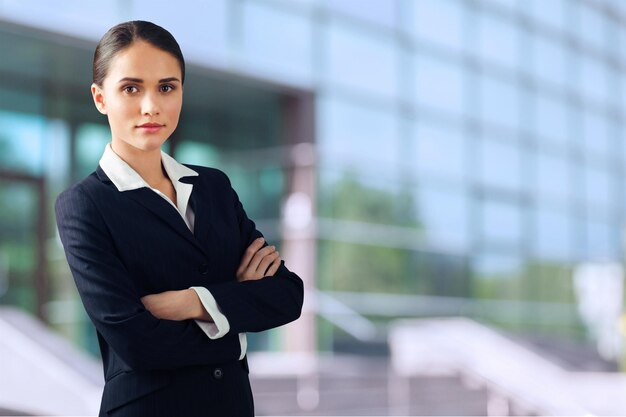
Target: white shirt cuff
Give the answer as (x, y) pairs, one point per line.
(220, 325)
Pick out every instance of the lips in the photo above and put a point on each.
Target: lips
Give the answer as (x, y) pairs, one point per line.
(150, 127)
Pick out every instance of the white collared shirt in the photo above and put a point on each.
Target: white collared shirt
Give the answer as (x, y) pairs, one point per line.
(125, 178)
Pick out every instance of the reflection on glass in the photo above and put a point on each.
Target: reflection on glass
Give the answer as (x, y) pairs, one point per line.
(596, 137)
(22, 139)
(552, 178)
(601, 238)
(91, 139)
(357, 132)
(437, 21)
(439, 84)
(593, 83)
(444, 214)
(501, 222)
(551, 118)
(549, 60)
(264, 27)
(552, 235)
(501, 164)
(498, 40)
(591, 23)
(598, 189)
(500, 102)
(552, 13)
(440, 150)
(376, 11)
(362, 60)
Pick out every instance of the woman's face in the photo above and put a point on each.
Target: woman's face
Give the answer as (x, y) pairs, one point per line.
(142, 96)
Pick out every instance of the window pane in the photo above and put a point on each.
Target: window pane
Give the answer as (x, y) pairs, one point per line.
(601, 238)
(551, 119)
(552, 178)
(362, 60)
(441, 151)
(593, 79)
(549, 60)
(592, 29)
(266, 45)
(354, 133)
(596, 139)
(598, 190)
(501, 222)
(552, 235)
(377, 11)
(437, 21)
(444, 214)
(90, 142)
(439, 84)
(498, 40)
(22, 142)
(500, 102)
(552, 12)
(500, 164)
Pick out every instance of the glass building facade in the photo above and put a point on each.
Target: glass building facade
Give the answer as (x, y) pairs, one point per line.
(431, 157)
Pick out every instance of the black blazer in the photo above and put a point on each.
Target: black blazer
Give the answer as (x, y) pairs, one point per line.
(121, 246)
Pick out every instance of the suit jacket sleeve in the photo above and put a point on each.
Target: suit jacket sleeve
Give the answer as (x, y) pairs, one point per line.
(113, 304)
(257, 305)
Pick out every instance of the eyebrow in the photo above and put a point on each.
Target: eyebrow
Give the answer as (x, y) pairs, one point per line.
(140, 81)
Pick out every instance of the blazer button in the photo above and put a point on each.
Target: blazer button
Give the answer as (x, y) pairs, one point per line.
(203, 269)
(218, 373)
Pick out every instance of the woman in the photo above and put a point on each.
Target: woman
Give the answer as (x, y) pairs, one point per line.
(169, 268)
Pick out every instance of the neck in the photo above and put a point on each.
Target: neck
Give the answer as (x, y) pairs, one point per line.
(147, 163)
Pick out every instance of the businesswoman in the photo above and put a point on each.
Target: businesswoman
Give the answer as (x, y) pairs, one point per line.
(170, 269)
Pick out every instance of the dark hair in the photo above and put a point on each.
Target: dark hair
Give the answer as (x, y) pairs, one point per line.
(121, 36)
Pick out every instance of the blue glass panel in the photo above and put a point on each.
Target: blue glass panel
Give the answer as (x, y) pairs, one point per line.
(598, 190)
(552, 177)
(357, 134)
(498, 40)
(209, 20)
(444, 213)
(22, 142)
(382, 12)
(551, 119)
(596, 139)
(362, 60)
(549, 61)
(500, 164)
(601, 241)
(441, 151)
(439, 84)
(593, 79)
(500, 102)
(437, 21)
(501, 222)
(552, 12)
(265, 43)
(553, 236)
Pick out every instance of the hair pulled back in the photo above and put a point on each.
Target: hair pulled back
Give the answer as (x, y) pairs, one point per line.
(121, 36)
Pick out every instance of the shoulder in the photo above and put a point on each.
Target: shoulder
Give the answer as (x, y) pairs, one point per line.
(80, 196)
(213, 176)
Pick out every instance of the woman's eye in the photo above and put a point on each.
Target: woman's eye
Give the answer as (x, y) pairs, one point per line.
(166, 88)
(130, 89)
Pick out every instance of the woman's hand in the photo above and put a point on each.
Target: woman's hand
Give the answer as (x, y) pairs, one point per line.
(176, 305)
(258, 261)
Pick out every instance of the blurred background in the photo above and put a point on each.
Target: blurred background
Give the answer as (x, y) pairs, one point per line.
(447, 176)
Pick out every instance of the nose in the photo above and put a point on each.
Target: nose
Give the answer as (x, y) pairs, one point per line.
(149, 105)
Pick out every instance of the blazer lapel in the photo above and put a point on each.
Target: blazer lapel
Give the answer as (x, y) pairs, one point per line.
(200, 204)
(163, 210)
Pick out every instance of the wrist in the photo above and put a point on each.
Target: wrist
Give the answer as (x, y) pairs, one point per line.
(196, 308)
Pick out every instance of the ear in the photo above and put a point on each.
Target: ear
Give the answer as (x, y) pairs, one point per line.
(98, 98)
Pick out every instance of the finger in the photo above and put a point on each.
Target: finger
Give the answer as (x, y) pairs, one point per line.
(266, 262)
(273, 267)
(251, 251)
(258, 257)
